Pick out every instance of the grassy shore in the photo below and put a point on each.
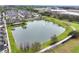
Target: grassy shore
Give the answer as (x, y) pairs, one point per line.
(14, 49)
(68, 30)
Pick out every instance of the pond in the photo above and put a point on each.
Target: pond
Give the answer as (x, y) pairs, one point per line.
(36, 31)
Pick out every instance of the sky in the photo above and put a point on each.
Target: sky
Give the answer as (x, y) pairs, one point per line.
(40, 2)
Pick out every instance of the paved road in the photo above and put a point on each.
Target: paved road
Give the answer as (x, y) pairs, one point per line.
(63, 11)
(6, 33)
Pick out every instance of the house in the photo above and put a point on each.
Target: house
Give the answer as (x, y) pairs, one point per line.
(24, 14)
(11, 16)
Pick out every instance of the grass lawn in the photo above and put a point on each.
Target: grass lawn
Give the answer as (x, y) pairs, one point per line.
(56, 21)
(76, 25)
(68, 47)
(75, 49)
(14, 49)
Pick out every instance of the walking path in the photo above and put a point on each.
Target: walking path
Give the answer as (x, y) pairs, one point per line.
(56, 44)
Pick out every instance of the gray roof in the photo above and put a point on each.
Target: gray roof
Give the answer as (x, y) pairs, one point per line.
(11, 13)
(23, 12)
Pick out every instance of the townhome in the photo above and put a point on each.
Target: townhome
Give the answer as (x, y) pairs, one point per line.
(11, 16)
(24, 14)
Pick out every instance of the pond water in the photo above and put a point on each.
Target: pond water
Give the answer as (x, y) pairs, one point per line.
(36, 31)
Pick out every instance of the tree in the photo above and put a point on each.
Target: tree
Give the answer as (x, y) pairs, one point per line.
(23, 25)
(54, 39)
(46, 13)
(75, 34)
(27, 47)
(35, 11)
(30, 8)
(36, 47)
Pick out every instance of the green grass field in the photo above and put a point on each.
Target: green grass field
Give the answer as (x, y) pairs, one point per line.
(14, 49)
(70, 46)
(76, 25)
(76, 48)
